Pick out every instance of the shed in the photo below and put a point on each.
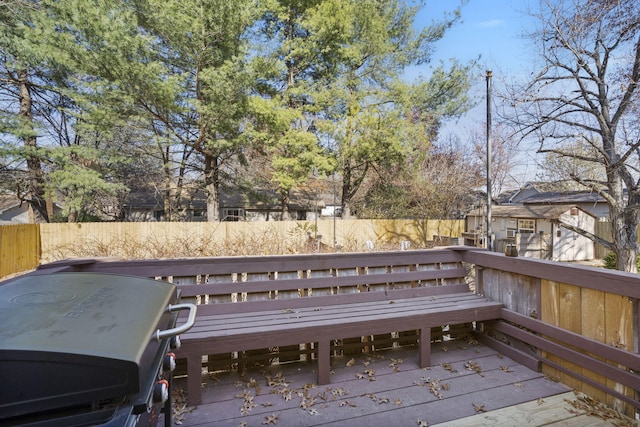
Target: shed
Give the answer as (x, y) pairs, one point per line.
(538, 230)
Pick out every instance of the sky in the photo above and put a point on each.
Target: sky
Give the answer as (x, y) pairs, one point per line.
(491, 32)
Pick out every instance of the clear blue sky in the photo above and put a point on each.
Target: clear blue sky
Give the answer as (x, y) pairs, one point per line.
(491, 32)
(490, 29)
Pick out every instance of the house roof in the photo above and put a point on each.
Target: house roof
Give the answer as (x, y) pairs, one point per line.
(8, 201)
(564, 198)
(529, 211)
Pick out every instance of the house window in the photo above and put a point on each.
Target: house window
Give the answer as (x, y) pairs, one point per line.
(511, 232)
(526, 226)
(233, 215)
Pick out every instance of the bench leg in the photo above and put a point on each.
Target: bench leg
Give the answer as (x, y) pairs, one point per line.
(425, 348)
(194, 379)
(324, 362)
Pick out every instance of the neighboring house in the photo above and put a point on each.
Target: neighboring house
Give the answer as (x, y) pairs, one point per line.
(515, 197)
(15, 211)
(544, 194)
(148, 206)
(537, 231)
(259, 206)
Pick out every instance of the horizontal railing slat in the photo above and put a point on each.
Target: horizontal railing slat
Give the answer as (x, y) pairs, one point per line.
(320, 282)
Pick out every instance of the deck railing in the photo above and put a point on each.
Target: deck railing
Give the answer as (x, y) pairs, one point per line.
(577, 324)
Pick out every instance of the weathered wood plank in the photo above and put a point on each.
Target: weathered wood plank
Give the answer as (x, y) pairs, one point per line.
(549, 411)
(383, 389)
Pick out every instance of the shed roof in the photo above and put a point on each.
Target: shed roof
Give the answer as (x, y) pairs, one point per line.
(528, 211)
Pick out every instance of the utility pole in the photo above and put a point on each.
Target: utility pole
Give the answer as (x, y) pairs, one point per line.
(489, 241)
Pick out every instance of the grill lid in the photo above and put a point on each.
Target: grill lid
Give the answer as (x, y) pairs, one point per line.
(72, 338)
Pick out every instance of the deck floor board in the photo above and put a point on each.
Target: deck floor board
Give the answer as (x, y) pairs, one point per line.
(385, 388)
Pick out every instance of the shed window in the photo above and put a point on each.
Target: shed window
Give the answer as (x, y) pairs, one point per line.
(526, 226)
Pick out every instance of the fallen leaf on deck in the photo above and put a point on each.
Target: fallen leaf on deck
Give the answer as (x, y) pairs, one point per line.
(271, 419)
(473, 366)
(506, 369)
(339, 392)
(479, 407)
(423, 423)
(351, 362)
(448, 367)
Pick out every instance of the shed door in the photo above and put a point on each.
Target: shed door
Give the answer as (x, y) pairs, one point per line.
(571, 246)
(564, 244)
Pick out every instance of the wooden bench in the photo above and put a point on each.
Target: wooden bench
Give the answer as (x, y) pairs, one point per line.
(249, 303)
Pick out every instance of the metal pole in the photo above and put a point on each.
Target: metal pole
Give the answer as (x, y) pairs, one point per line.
(489, 232)
(335, 202)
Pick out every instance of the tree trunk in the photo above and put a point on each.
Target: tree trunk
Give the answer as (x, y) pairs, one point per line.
(624, 224)
(625, 247)
(35, 181)
(286, 198)
(212, 187)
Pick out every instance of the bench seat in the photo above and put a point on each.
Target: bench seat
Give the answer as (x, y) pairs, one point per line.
(231, 327)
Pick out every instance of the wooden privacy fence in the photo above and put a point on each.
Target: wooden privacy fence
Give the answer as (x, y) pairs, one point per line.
(19, 248)
(143, 240)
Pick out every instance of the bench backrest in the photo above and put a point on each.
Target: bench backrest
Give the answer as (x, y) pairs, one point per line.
(287, 277)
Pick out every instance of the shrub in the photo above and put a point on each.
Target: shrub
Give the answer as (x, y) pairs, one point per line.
(610, 261)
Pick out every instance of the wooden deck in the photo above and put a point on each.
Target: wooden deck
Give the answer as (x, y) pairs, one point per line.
(387, 388)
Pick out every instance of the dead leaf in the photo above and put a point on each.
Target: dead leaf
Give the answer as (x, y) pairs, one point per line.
(271, 419)
(506, 369)
(479, 407)
(351, 362)
(339, 392)
(423, 423)
(473, 366)
(449, 367)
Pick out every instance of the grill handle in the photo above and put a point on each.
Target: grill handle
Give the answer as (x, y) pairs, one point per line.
(160, 335)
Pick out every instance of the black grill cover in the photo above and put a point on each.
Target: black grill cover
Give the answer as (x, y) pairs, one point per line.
(75, 338)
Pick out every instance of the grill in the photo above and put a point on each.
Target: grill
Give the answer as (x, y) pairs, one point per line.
(87, 349)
